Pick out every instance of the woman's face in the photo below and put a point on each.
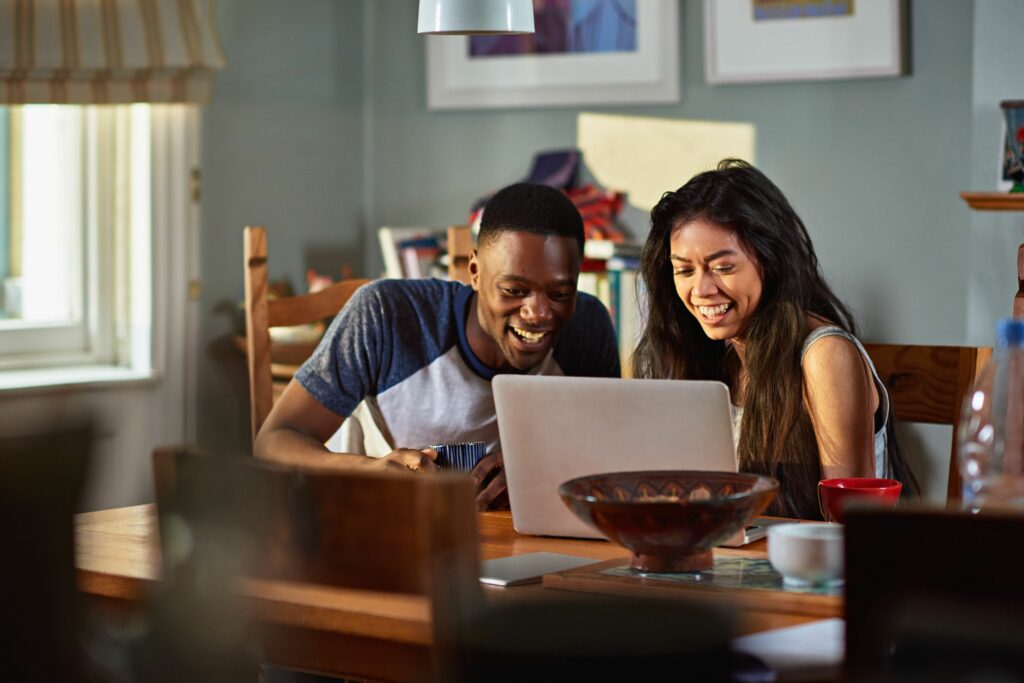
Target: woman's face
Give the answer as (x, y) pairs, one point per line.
(716, 277)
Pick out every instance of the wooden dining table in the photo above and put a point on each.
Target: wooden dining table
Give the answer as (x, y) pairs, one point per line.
(384, 635)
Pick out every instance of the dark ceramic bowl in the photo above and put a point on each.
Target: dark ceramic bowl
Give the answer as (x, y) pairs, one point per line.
(669, 521)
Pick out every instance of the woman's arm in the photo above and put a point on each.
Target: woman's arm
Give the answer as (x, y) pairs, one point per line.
(841, 399)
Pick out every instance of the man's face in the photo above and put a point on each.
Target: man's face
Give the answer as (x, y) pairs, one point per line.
(526, 292)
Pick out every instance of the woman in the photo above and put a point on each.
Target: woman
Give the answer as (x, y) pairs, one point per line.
(735, 294)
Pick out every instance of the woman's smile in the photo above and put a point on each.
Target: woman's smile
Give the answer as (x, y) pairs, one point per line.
(716, 277)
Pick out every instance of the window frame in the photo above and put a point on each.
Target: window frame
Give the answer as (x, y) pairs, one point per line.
(99, 334)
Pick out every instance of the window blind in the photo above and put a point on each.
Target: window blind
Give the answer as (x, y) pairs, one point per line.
(107, 51)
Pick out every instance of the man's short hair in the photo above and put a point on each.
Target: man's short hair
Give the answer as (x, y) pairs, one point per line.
(527, 207)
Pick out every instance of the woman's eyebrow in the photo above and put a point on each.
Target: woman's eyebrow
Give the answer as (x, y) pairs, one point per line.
(718, 254)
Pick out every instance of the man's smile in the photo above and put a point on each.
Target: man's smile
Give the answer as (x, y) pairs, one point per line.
(532, 336)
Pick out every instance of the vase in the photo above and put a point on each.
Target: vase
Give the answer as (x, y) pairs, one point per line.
(1013, 143)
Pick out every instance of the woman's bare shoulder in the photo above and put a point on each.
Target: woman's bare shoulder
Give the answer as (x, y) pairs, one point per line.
(831, 354)
(815, 322)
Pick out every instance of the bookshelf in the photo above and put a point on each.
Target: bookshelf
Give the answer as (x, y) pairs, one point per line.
(610, 272)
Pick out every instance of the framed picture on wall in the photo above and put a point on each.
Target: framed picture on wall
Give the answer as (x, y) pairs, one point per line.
(750, 41)
(583, 52)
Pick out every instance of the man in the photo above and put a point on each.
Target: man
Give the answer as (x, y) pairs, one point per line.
(408, 363)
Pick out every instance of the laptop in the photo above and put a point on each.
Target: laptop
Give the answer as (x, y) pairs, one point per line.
(553, 429)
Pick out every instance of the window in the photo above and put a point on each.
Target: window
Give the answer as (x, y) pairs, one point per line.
(75, 235)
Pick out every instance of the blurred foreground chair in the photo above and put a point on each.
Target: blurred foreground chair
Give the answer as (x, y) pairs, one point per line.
(566, 636)
(42, 476)
(262, 313)
(934, 595)
(368, 535)
(929, 384)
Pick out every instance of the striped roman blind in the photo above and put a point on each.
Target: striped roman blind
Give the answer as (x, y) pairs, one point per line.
(107, 51)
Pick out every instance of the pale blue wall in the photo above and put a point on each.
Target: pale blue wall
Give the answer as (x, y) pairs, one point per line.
(994, 235)
(319, 128)
(282, 147)
(873, 166)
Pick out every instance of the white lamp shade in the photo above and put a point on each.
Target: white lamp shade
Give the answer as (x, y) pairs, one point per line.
(467, 17)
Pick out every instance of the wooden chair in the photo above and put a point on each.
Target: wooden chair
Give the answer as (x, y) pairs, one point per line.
(392, 541)
(460, 246)
(928, 384)
(266, 363)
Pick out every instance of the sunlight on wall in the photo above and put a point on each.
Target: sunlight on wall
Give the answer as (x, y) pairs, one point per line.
(646, 156)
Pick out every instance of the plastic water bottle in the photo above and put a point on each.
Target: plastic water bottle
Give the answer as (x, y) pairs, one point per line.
(991, 435)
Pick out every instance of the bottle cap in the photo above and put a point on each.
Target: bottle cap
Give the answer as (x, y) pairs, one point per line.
(1010, 332)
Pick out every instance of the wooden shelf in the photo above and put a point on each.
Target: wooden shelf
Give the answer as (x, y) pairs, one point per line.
(994, 201)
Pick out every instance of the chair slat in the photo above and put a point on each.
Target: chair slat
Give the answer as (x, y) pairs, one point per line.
(922, 380)
(460, 246)
(326, 303)
(928, 384)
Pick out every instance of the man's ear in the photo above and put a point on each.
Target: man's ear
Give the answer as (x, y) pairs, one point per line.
(474, 270)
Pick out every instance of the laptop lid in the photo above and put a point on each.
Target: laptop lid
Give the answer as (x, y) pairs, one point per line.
(553, 429)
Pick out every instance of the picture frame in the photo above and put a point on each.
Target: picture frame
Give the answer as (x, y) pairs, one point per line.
(869, 41)
(647, 74)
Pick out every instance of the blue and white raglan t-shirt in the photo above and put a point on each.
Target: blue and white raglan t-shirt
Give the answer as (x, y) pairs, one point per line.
(396, 364)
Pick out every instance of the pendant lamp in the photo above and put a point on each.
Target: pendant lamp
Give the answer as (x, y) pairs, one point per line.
(469, 17)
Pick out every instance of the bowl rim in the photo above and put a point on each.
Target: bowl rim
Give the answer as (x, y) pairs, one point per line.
(861, 484)
(770, 484)
(824, 532)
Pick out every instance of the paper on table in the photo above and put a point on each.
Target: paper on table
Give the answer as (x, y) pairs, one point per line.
(814, 648)
(528, 568)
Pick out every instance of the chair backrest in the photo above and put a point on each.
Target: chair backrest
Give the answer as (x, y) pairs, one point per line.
(460, 246)
(928, 384)
(368, 532)
(261, 314)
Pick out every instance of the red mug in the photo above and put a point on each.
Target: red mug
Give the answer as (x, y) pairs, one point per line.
(834, 494)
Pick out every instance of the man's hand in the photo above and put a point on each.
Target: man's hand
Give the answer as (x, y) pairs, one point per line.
(489, 477)
(406, 460)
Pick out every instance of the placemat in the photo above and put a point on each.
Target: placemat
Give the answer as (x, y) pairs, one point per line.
(748, 583)
(729, 572)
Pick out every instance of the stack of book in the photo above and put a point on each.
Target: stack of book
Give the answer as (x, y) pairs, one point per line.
(412, 252)
(610, 273)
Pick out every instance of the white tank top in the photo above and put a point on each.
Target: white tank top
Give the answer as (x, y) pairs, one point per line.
(881, 414)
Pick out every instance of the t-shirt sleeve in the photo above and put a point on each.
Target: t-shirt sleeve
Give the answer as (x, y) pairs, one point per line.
(346, 365)
(588, 347)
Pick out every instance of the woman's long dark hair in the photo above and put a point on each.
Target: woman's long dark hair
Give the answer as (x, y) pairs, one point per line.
(776, 436)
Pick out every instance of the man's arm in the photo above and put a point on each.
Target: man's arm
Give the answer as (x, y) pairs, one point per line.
(298, 426)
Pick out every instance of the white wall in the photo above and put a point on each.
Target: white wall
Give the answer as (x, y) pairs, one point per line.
(130, 421)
